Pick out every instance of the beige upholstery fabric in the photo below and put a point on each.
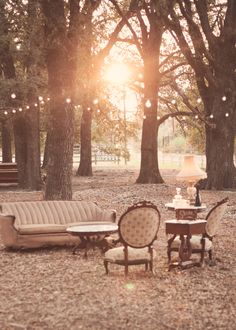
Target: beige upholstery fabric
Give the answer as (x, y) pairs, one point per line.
(54, 212)
(214, 218)
(117, 254)
(139, 226)
(42, 223)
(195, 243)
(41, 229)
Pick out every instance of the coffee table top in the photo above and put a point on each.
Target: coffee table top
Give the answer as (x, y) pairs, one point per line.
(93, 228)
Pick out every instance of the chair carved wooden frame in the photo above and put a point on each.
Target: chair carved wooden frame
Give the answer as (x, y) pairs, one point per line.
(137, 229)
(202, 243)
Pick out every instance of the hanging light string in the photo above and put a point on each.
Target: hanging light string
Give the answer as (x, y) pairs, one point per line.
(41, 101)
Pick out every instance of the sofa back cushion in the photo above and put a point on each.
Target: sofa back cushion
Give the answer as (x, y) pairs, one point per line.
(55, 212)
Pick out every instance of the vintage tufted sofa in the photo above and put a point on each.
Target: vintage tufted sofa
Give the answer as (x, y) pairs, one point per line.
(44, 223)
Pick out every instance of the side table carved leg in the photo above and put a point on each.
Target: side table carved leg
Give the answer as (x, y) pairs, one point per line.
(185, 249)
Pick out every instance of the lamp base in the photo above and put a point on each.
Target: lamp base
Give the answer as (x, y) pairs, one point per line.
(191, 191)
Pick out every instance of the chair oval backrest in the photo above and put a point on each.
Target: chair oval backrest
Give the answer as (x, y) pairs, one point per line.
(139, 225)
(214, 217)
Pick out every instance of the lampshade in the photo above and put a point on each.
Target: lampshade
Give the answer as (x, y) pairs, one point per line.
(190, 171)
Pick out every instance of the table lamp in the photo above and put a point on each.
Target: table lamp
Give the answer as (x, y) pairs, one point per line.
(191, 173)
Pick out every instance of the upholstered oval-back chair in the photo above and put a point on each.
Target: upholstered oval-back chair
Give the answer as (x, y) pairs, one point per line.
(137, 229)
(202, 243)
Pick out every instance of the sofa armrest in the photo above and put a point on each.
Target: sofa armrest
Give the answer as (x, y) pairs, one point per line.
(7, 229)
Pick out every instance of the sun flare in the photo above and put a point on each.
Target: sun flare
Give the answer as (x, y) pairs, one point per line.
(117, 73)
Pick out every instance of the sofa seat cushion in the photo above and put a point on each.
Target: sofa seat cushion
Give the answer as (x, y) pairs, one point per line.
(41, 229)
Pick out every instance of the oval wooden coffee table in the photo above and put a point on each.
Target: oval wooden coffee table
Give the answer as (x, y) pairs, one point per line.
(92, 235)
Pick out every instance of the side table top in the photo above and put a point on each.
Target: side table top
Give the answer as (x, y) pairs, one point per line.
(171, 206)
(184, 222)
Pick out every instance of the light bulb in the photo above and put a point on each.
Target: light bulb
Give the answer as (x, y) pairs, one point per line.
(224, 98)
(199, 100)
(148, 104)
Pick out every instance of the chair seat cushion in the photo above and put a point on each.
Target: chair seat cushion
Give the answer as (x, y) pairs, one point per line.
(195, 242)
(117, 254)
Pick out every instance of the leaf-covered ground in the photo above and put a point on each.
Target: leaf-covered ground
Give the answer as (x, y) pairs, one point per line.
(54, 289)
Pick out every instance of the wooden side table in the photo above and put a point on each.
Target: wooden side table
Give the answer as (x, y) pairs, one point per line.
(184, 229)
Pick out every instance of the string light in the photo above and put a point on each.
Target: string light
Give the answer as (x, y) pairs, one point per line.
(36, 104)
(48, 98)
(98, 110)
(5, 112)
(227, 114)
(144, 116)
(68, 100)
(211, 116)
(224, 98)
(140, 76)
(27, 107)
(173, 102)
(20, 109)
(13, 110)
(183, 118)
(196, 117)
(158, 117)
(88, 108)
(95, 101)
(13, 95)
(199, 100)
(40, 98)
(148, 104)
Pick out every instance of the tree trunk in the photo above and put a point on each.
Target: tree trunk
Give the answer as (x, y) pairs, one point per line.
(220, 137)
(20, 129)
(46, 150)
(33, 173)
(61, 58)
(87, 88)
(59, 167)
(149, 170)
(6, 143)
(85, 166)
